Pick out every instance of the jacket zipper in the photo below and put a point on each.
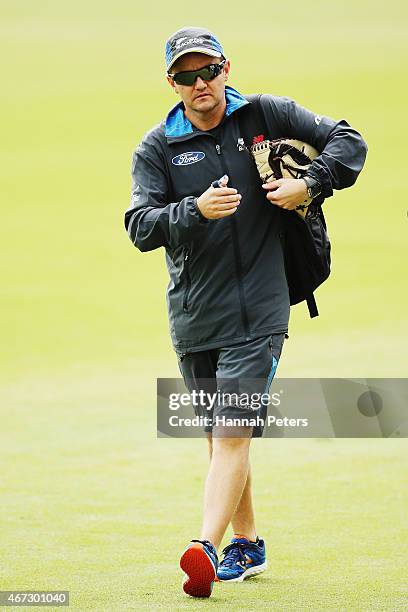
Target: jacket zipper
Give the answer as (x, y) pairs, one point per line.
(188, 281)
(238, 264)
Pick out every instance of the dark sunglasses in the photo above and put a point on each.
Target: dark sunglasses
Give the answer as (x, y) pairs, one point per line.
(208, 73)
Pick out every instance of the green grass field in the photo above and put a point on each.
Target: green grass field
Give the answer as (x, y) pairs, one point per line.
(91, 501)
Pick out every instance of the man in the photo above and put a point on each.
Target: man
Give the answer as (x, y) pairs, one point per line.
(228, 296)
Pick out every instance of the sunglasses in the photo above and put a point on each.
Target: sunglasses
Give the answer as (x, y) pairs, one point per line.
(208, 73)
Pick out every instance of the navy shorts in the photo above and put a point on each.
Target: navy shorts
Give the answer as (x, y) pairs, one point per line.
(242, 371)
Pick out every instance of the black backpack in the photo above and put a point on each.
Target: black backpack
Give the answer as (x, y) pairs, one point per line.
(307, 255)
(306, 244)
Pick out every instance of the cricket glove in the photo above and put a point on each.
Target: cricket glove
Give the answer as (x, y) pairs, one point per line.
(284, 158)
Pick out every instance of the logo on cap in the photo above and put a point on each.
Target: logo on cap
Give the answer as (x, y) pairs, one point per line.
(189, 41)
(179, 41)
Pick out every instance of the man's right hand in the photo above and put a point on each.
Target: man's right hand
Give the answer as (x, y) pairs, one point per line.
(218, 202)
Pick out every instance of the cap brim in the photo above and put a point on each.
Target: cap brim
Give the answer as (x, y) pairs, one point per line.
(209, 52)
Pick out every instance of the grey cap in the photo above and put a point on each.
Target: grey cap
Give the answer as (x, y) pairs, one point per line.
(191, 40)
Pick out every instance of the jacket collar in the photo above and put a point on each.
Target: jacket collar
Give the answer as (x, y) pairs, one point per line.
(177, 124)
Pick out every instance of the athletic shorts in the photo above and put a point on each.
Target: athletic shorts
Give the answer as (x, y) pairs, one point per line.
(239, 375)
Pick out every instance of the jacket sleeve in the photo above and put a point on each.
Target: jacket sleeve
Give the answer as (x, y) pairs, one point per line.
(151, 220)
(342, 149)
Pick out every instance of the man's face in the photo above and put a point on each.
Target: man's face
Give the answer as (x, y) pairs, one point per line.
(203, 96)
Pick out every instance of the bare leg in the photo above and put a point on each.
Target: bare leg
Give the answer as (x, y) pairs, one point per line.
(225, 484)
(243, 520)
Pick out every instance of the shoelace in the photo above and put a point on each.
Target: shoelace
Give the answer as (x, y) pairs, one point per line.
(234, 553)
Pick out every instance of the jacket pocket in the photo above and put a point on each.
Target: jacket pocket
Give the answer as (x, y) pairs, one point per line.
(187, 280)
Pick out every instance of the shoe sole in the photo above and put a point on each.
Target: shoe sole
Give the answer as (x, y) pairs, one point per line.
(252, 571)
(200, 571)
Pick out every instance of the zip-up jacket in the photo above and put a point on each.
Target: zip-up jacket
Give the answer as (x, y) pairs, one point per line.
(227, 276)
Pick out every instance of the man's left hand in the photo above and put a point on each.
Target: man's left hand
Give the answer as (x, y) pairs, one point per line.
(286, 193)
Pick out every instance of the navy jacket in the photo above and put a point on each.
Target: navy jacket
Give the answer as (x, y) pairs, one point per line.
(227, 276)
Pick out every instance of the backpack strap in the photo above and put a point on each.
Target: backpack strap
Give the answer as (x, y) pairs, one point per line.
(312, 306)
(256, 101)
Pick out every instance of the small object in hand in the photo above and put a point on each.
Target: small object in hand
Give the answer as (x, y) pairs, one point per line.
(217, 184)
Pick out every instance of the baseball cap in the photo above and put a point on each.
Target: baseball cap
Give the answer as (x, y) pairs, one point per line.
(191, 40)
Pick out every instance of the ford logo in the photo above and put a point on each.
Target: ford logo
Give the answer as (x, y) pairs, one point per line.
(190, 157)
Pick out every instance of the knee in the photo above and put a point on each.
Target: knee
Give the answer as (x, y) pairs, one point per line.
(231, 445)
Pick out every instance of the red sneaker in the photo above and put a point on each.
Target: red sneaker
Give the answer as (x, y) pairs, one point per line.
(200, 562)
